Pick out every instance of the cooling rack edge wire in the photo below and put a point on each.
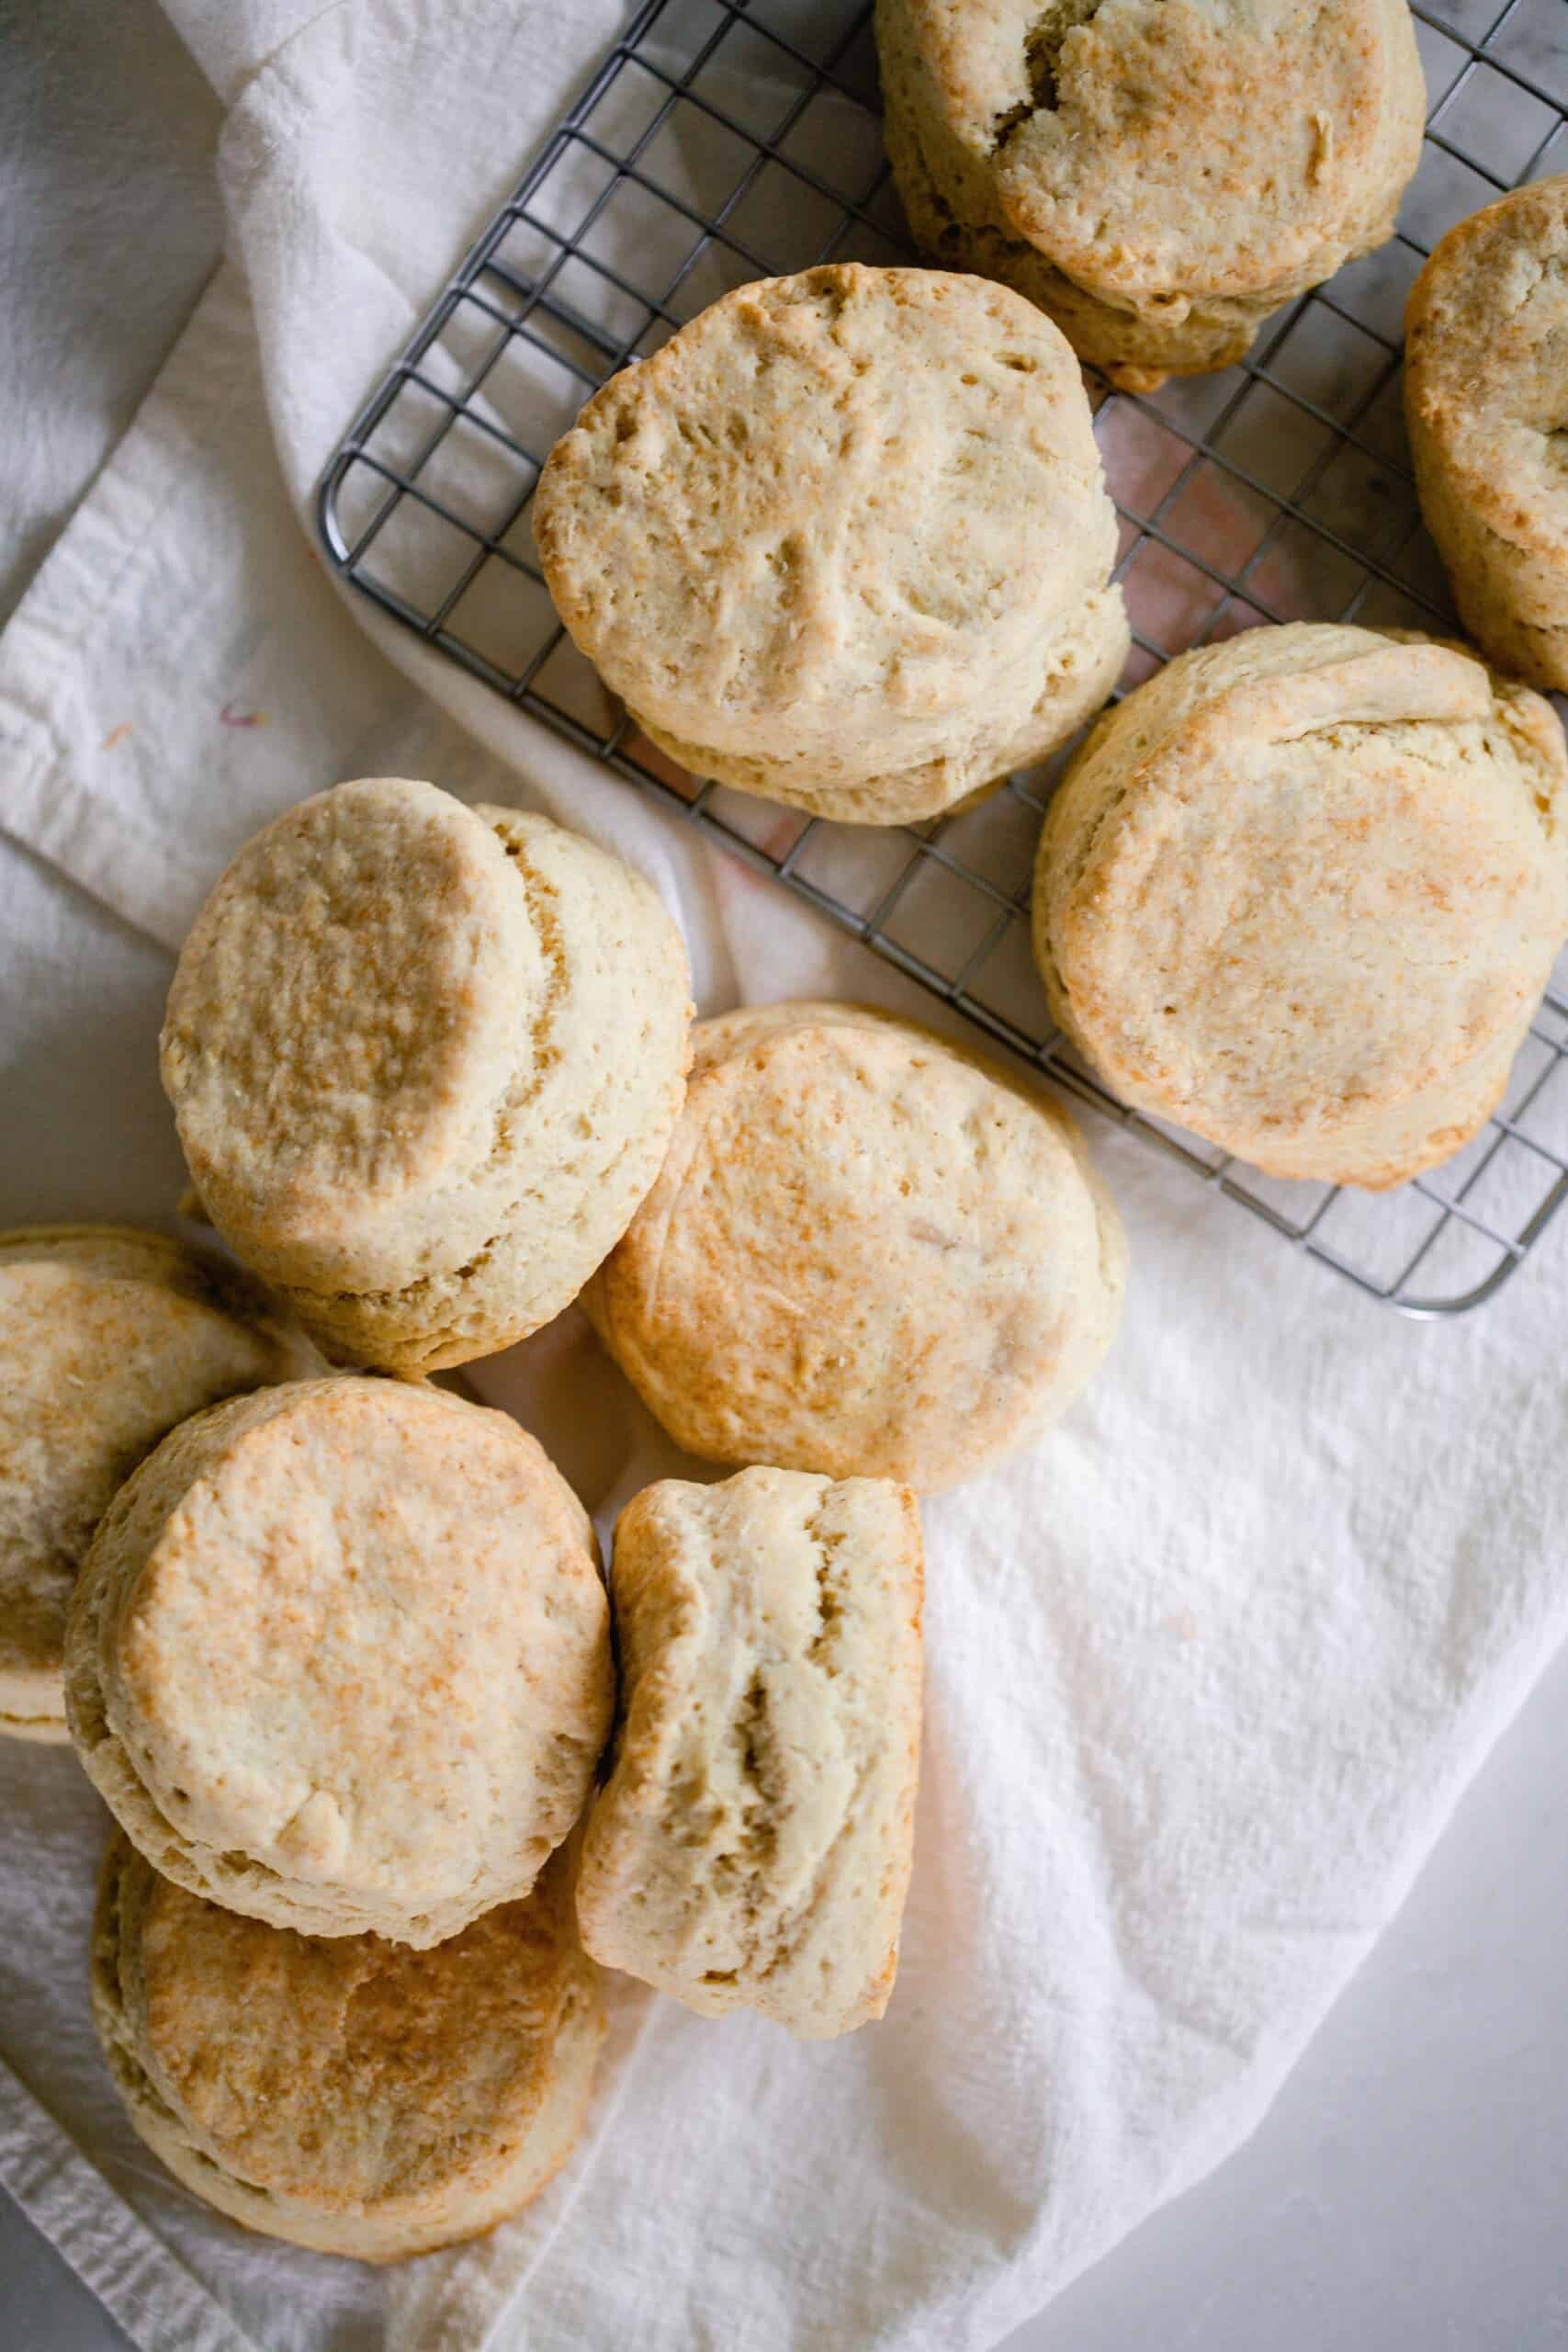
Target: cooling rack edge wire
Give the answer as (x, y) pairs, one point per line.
(720, 140)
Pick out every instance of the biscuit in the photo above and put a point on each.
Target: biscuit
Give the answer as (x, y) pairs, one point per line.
(424, 1060)
(339, 1659)
(845, 541)
(107, 1337)
(1158, 175)
(346, 2093)
(867, 1254)
(751, 1848)
(1486, 400)
(1300, 894)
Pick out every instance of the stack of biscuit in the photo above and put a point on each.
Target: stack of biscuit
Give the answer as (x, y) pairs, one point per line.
(845, 541)
(395, 1769)
(334, 1643)
(1158, 175)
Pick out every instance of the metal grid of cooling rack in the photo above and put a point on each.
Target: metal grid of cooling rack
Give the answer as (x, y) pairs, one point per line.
(727, 139)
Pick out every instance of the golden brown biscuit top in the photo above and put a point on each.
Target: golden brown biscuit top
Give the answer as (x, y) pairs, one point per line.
(854, 482)
(353, 1632)
(1308, 871)
(1198, 146)
(1487, 360)
(347, 2072)
(424, 1059)
(865, 1253)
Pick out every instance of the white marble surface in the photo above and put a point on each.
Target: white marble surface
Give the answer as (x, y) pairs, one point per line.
(1408, 2189)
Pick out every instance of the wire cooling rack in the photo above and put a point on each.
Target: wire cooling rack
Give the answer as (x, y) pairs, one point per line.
(723, 141)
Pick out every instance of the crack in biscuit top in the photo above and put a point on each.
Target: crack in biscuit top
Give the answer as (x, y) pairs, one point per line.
(1178, 147)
